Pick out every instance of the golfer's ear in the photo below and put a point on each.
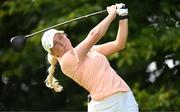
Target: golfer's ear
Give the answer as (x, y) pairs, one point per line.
(52, 52)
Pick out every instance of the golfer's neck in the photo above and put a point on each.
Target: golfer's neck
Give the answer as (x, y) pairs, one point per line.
(66, 50)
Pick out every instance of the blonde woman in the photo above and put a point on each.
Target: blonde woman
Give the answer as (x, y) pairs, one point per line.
(87, 64)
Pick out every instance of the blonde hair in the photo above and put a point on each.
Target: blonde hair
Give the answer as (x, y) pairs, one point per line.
(51, 81)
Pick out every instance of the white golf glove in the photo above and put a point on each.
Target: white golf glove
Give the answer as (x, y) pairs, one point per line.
(121, 9)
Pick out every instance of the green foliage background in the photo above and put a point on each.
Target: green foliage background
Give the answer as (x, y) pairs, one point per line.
(154, 38)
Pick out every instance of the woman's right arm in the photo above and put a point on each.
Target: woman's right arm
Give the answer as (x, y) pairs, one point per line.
(96, 33)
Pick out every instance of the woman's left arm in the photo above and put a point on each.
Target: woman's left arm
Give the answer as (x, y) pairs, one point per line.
(118, 44)
(122, 34)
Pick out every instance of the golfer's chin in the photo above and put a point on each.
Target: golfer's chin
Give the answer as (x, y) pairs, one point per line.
(69, 46)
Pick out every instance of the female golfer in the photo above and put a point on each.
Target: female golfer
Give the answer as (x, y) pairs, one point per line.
(87, 64)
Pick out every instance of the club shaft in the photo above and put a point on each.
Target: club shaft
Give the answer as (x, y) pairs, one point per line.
(66, 22)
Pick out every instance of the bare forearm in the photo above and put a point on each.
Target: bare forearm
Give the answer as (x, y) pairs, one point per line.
(102, 27)
(122, 33)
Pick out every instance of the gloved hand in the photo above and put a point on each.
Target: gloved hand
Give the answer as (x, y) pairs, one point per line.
(122, 10)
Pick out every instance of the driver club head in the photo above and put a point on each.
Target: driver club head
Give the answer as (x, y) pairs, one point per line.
(18, 43)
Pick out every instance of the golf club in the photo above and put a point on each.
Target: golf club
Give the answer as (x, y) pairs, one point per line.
(19, 42)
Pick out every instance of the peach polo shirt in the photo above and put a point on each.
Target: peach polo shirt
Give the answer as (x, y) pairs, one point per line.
(94, 73)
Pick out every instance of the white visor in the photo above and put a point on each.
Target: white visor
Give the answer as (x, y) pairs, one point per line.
(47, 39)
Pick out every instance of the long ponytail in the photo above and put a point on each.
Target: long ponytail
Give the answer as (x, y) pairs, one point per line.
(51, 81)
